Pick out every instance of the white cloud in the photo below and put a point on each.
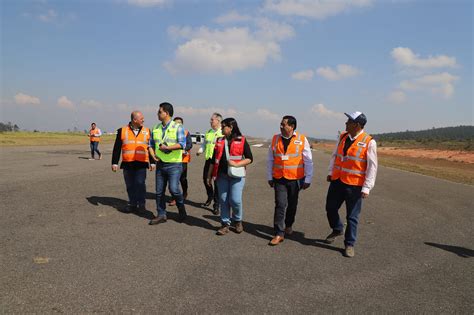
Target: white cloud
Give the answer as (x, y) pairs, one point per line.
(397, 97)
(322, 111)
(318, 9)
(232, 17)
(25, 99)
(406, 57)
(228, 50)
(341, 72)
(48, 16)
(91, 104)
(148, 3)
(267, 115)
(65, 103)
(303, 75)
(441, 83)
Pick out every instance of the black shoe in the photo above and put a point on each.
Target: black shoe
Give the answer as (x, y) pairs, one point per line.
(157, 220)
(129, 209)
(215, 209)
(182, 213)
(208, 202)
(332, 237)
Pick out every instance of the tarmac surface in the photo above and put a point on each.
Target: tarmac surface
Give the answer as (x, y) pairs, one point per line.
(67, 247)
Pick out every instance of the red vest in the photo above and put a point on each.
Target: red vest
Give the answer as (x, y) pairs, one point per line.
(236, 152)
(186, 154)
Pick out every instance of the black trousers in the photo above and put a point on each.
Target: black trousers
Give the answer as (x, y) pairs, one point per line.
(211, 192)
(286, 202)
(184, 179)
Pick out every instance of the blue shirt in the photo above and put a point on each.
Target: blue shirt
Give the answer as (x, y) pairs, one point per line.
(181, 138)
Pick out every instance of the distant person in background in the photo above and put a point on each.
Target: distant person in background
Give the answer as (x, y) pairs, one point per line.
(207, 147)
(232, 150)
(352, 172)
(289, 169)
(132, 143)
(186, 159)
(94, 136)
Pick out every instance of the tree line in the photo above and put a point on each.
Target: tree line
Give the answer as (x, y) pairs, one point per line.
(459, 133)
(8, 127)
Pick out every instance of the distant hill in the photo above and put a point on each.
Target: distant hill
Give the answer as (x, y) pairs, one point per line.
(459, 133)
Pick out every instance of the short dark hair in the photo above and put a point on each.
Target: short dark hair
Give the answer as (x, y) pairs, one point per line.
(93, 124)
(290, 121)
(168, 108)
(231, 122)
(178, 118)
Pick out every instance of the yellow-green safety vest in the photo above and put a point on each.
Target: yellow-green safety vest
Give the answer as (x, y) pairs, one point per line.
(170, 138)
(210, 141)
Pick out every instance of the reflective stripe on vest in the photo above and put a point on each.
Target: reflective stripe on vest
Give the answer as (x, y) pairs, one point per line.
(236, 152)
(170, 137)
(351, 168)
(210, 140)
(135, 148)
(293, 167)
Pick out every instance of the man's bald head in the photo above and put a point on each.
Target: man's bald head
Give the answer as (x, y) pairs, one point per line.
(137, 119)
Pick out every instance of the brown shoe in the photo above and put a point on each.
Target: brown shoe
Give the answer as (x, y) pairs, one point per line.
(239, 227)
(288, 230)
(223, 230)
(332, 237)
(157, 220)
(349, 251)
(276, 240)
(172, 202)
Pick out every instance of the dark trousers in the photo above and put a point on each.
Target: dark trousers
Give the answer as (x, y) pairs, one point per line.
(94, 148)
(286, 202)
(184, 179)
(211, 193)
(338, 193)
(136, 188)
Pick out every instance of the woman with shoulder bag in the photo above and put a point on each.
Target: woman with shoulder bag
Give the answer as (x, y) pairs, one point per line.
(231, 155)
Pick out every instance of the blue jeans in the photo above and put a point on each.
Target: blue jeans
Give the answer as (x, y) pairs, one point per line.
(168, 173)
(136, 188)
(338, 193)
(230, 196)
(94, 148)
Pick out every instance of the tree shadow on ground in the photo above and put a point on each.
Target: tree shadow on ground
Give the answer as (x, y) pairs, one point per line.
(460, 251)
(119, 205)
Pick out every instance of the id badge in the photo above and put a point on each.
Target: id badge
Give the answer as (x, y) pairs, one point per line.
(285, 158)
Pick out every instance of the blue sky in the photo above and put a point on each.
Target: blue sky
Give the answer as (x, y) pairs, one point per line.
(405, 64)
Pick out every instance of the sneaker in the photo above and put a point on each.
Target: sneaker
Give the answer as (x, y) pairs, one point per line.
(239, 227)
(223, 230)
(349, 251)
(157, 220)
(288, 230)
(332, 237)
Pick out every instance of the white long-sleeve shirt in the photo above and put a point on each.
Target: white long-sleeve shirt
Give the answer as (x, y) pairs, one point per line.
(307, 160)
(372, 163)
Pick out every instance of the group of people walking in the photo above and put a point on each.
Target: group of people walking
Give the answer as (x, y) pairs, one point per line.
(166, 149)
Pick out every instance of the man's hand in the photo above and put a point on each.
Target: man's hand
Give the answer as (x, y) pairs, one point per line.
(114, 168)
(365, 195)
(305, 186)
(328, 178)
(209, 181)
(152, 167)
(270, 182)
(198, 153)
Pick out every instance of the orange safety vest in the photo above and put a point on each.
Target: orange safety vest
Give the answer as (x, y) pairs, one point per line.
(135, 148)
(186, 154)
(92, 134)
(288, 164)
(351, 168)
(236, 152)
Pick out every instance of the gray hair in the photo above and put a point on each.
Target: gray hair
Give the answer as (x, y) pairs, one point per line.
(218, 116)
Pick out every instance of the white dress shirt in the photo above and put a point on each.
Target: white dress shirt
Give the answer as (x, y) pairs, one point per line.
(307, 160)
(372, 163)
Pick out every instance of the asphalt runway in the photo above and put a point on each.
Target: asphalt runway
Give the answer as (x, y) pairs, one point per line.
(66, 247)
